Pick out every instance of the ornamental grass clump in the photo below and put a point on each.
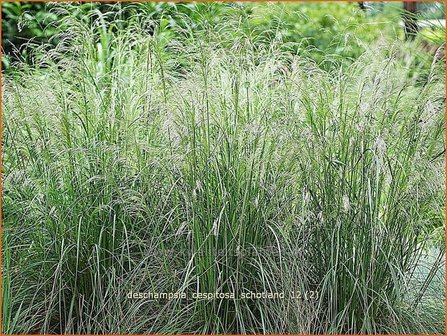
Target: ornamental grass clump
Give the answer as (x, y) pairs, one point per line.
(135, 162)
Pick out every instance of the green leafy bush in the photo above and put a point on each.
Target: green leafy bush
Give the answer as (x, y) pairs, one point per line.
(325, 32)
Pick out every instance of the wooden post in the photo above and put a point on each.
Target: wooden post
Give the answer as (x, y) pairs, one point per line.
(410, 20)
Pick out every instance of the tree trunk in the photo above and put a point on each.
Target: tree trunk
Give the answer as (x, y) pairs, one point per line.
(410, 19)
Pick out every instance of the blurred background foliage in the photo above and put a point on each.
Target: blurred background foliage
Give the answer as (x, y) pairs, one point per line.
(330, 33)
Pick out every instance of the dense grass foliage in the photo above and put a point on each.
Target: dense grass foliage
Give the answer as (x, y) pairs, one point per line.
(209, 162)
(341, 30)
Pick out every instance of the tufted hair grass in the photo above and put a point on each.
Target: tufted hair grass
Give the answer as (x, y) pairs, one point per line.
(136, 162)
